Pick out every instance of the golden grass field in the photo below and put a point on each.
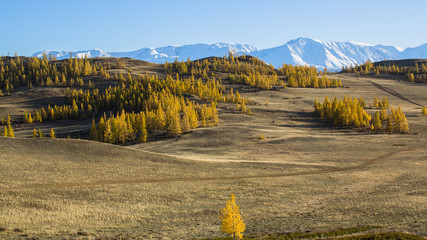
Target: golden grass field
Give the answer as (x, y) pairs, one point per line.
(304, 176)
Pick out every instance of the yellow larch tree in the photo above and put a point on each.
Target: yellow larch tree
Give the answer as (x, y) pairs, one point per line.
(377, 122)
(93, 131)
(10, 132)
(52, 133)
(231, 220)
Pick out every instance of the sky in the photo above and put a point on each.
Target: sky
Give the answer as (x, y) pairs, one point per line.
(28, 26)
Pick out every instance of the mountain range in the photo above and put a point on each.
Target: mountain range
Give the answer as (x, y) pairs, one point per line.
(300, 51)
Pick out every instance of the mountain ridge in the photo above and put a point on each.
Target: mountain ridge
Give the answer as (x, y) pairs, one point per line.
(301, 51)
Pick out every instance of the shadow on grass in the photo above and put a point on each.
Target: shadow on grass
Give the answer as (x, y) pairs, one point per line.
(336, 234)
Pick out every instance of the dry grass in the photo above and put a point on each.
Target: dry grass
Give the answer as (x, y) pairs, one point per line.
(112, 195)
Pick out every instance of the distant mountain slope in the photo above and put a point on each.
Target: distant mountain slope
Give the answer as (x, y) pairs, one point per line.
(333, 55)
(66, 54)
(162, 54)
(301, 51)
(416, 52)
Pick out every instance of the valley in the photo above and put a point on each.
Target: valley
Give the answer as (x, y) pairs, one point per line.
(303, 175)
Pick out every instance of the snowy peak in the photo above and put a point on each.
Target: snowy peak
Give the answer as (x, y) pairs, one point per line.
(79, 54)
(194, 51)
(333, 55)
(300, 51)
(162, 54)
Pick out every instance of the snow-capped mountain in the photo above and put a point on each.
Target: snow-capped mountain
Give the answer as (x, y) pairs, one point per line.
(79, 54)
(301, 51)
(162, 54)
(194, 51)
(416, 52)
(333, 55)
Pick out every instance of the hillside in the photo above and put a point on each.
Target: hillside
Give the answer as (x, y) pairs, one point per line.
(305, 176)
(170, 142)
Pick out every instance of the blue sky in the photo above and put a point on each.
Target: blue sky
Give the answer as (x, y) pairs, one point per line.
(28, 26)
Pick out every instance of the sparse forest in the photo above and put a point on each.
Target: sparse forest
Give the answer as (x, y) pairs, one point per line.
(416, 73)
(253, 72)
(135, 105)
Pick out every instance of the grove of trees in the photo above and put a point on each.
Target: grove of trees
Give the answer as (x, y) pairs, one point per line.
(351, 112)
(29, 72)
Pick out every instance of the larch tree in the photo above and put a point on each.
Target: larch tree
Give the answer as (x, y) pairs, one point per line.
(108, 134)
(10, 132)
(231, 220)
(30, 119)
(389, 126)
(377, 121)
(174, 127)
(101, 129)
(34, 133)
(52, 133)
(185, 123)
(40, 134)
(93, 131)
(144, 133)
(25, 118)
(424, 111)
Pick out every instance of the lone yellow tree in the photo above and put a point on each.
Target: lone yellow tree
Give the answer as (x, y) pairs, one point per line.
(232, 221)
(52, 133)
